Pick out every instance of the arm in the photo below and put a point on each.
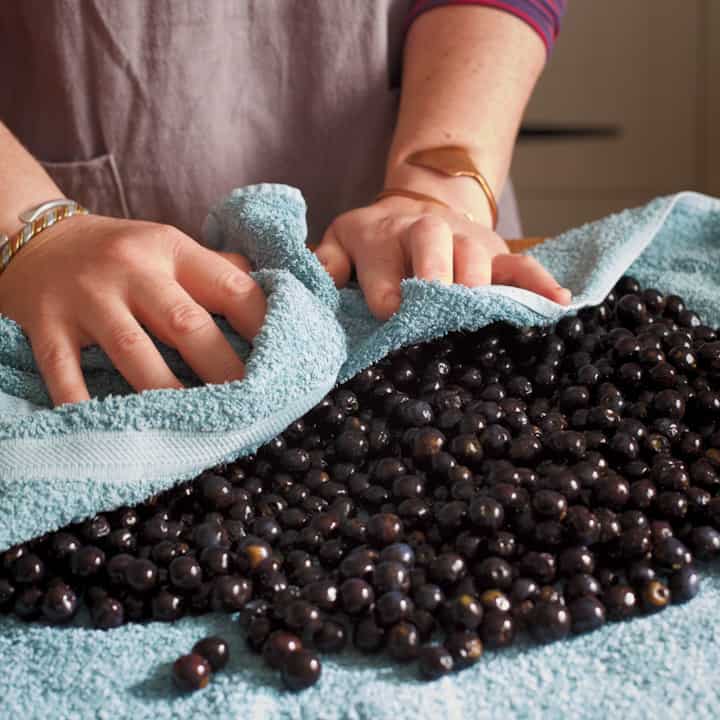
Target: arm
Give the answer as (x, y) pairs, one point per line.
(468, 73)
(23, 182)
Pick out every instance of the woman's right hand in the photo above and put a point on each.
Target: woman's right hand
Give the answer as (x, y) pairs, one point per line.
(99, 280)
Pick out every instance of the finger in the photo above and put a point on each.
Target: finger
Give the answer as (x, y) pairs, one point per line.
(430, 242)
(472, 262)
(57, 356)
(334, 258)
(238, 260)
(131, 350)
(526, 272)
(171, 314)
(220, 287)
(380, 270)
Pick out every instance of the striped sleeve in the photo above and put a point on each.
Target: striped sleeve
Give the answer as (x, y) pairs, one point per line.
(543, 16)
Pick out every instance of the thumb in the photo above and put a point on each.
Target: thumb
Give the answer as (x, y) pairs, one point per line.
(333, 257)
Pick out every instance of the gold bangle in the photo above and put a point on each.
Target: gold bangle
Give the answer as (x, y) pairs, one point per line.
(35, 221)
(518, 245)
(400, 192)
(455, 161)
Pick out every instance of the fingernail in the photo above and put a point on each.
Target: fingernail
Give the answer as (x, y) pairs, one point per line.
(391, 301)
(322, 259)
(239, 283)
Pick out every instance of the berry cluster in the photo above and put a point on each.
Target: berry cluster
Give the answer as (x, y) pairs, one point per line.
(453, 496)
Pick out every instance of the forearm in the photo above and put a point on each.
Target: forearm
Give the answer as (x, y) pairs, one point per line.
(468, 74)
(23, 182)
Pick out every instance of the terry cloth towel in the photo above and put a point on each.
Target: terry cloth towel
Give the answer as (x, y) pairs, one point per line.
(61, 465)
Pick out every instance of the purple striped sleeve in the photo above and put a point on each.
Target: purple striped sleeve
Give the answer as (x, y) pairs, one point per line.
(543, 16)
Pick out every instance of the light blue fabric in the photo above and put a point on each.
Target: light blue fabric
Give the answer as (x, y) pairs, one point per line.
(65, 464)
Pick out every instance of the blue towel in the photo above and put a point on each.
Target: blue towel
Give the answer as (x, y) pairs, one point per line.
(61, 465)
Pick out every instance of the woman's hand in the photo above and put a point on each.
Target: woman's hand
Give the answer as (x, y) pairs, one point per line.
(398, 237)
(99, 280)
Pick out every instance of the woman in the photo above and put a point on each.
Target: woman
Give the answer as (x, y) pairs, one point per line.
(148, 112)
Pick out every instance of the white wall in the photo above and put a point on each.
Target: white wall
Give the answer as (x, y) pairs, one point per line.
(650, 67)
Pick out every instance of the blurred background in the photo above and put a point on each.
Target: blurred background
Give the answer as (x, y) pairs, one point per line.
(628, 108)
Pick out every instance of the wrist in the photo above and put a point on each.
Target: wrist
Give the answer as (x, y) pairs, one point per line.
(10, 222)
(462, 175)
(462, 194)
(37, 224)
(409, 205)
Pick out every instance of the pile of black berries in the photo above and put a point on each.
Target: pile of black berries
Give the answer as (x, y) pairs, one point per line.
(455, 495)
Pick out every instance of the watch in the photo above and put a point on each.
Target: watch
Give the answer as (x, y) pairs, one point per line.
(35, 220)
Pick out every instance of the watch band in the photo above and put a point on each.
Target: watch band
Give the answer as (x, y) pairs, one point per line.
(35, 220)
(455, 161)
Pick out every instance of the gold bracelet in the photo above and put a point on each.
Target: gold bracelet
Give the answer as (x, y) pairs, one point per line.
(455, 161)
(35, 221)
(400, 192)
(518, 245)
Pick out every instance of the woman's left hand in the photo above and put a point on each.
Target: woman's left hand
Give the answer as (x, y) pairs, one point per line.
(397, 238)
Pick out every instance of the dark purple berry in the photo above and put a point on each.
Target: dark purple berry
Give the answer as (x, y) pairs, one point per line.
(215, 650)
(300, 670)
(191, 672)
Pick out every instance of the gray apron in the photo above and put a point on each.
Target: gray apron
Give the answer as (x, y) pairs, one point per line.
(155, 109)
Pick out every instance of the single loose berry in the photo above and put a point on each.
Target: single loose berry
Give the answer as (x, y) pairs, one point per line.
(191, 672)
